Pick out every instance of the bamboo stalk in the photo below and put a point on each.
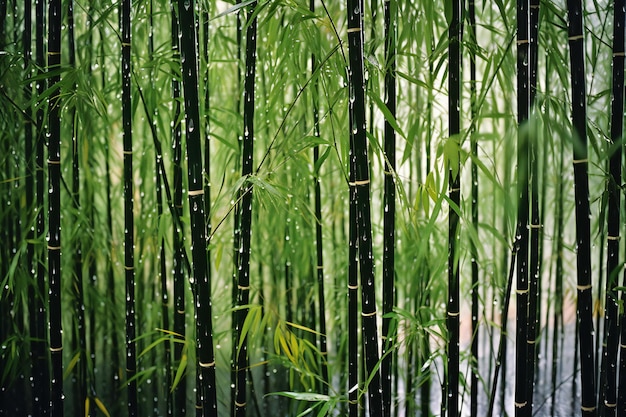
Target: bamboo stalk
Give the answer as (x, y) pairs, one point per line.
(389, 204)
(451, 399)
(613, 221)
(201, 271)
(54, 207)
(361, 187)
(129, 241)
(522, 405)
(584, 303)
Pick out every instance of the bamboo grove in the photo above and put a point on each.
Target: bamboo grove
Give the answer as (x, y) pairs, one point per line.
(390, 208)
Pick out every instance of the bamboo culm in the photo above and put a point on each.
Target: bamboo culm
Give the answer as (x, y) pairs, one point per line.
(243, 280)
(389, 204)
(54, 207)
(451, 398)
(615, 162)
(584, 304)
(195, 173)
(361, 185)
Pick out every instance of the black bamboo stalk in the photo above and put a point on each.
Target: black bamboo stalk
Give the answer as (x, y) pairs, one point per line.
(535, 215)
(162, 274)
(389, 205)
(471, 10)
(581, 191)
(80, 335)
(613, 221)
(201, 272)
(522, 405)
(177, 238)
(243, 279)
(129, 257)
(54, 206)
(318, 228)
(361, 185)
(353, 299)
(42, 374)
(451, 397)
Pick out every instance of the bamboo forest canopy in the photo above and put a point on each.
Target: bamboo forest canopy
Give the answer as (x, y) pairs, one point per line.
(280, 207)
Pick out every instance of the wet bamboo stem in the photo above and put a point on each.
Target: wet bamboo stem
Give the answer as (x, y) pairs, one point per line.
(584, 303)
(54, 206)
(451, 399)
(613, 226)
(389, 204)
(195, 173)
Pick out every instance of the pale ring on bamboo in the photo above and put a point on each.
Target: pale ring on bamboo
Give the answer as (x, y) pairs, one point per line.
(196, 192)
(243, 287)
(580, 161)
(59, 349)
(583, 287)
(521, 405)
(240, 404)
(575, 38)
(373, 313)
(353, 287)
(350, 30)
(207, 364)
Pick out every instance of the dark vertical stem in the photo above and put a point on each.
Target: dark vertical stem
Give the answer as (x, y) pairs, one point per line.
(522, 405)
(581, 191)
(195, 173)
(42, 364)
(615, 179)
(318, 227)
(361, 185)
(243, 280)
(535, 219)
(54, 205)
(389, 208)
(454, 193)
(178, 244)
(353, 300)
(471, 10)
(129, 257)
(80, 336)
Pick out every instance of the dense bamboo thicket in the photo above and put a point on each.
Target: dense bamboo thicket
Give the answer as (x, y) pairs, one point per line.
(391, 208)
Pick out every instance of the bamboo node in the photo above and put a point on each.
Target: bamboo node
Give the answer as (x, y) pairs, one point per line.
(53, 162)
(622, 346)
(454, 190)
(206, 364)
(125, 44)
(619, 54)
(575, 38)
(54, 247)
(612, 237)
(587, 408)
(353, 287)
(454, 313)
(521, 405)
(129, 268)
(361, 182)
(531, 342)
(195, 192)
(54, 53)
(580, 161)
(522, 41)
(240, 404)
(243, 287)
(351, 30)
(320, 267)
(536, 226)
(53, 349)
(127, 152)
(583, 287)
(521, 291)
(373, 313)
(385, 171)
(610, 405)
